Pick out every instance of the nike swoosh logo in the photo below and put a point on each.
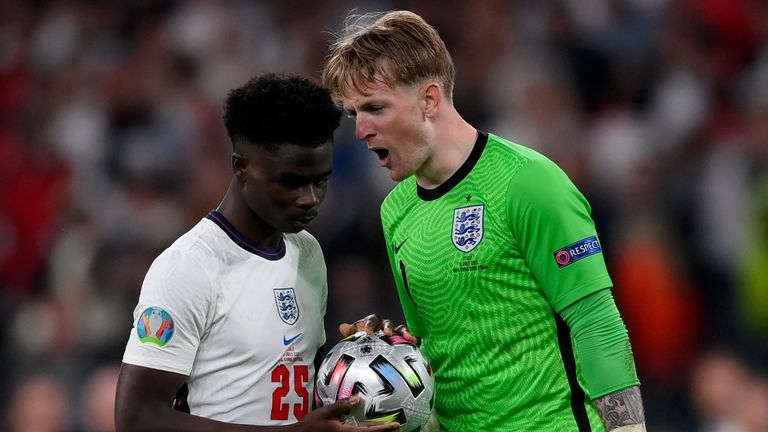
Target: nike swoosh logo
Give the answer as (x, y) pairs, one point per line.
(397, 248)
(287, 342)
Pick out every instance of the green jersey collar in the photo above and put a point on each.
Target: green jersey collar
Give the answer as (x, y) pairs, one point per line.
(459, 175)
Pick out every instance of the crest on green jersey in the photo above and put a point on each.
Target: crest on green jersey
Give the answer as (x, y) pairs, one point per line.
(467, 227)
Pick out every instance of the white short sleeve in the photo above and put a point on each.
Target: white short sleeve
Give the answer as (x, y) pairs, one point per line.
(170, 317)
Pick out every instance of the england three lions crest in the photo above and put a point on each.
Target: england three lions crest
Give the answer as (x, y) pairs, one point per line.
(287, 306)
(467, 227)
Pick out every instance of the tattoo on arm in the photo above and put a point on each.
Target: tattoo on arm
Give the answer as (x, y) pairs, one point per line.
(622, 408)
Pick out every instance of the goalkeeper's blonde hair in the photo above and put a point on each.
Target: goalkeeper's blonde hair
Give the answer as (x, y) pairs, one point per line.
(396, 48)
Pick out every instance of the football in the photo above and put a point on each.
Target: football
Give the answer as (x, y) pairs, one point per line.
(391, 376)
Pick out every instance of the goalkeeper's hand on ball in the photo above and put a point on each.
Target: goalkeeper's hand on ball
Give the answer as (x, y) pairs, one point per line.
(374, 324)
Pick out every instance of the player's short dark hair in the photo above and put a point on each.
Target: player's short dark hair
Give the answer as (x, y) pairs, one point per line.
(272, 109)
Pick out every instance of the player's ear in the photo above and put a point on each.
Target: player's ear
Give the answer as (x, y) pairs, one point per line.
(239, 161)
(432, 97)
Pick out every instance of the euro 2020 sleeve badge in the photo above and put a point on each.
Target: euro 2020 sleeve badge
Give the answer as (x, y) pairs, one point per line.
(155, 326)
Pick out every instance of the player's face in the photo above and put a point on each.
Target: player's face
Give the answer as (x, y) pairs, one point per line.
(285, 187)
(392, 122)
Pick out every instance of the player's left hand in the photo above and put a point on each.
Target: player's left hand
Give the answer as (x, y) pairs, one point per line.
(327, 419)
(373, 323)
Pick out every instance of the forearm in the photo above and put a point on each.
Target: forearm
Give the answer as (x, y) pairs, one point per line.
(602, 346)
(143, 404)
(166, 419)
(622, 411)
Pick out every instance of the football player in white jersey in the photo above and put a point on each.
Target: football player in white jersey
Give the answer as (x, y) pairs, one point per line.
(229, 324)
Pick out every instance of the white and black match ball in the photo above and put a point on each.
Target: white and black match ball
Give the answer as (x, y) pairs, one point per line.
(391, 376)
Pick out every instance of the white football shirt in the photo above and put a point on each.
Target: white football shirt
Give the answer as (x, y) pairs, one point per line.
(244, 325)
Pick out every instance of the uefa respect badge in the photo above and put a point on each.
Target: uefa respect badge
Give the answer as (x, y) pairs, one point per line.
(155, 326)
(577, 251)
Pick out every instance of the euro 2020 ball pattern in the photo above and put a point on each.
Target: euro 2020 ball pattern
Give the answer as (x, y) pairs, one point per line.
(391, 376)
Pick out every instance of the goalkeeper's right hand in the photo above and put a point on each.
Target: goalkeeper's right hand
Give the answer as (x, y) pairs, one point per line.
(373, 323)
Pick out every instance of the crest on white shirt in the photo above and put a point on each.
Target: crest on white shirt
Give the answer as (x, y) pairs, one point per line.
(287, 306)
(467, 227)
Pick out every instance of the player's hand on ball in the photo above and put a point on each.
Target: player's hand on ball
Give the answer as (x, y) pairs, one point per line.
(370, 324)
(327, 419)
(373, 323)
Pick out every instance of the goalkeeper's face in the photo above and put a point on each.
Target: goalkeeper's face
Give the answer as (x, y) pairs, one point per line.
(392, 122)
(285, 186)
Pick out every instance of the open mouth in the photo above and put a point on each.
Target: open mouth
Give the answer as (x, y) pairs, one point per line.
(381, 153)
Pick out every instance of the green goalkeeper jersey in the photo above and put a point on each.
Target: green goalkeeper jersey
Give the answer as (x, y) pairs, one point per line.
(483, 264)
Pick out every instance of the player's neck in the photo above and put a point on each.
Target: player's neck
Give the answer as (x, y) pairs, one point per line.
(452, 145)
(259, 233)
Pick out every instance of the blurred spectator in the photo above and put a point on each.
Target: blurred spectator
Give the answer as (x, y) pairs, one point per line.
(39, 404)
(754, 257)
(753, 413)
(754, 282)
(33, 193)
(98, 400)
(727, 395)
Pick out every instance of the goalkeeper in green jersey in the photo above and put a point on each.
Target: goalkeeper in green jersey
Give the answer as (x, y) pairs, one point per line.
(495, 256)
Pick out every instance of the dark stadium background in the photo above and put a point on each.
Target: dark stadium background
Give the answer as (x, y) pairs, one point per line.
(111, 145)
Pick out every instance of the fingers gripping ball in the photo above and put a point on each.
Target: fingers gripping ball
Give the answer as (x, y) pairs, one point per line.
(392, 378)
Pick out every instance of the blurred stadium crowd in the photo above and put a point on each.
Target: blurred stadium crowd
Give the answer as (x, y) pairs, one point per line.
(111, 145)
